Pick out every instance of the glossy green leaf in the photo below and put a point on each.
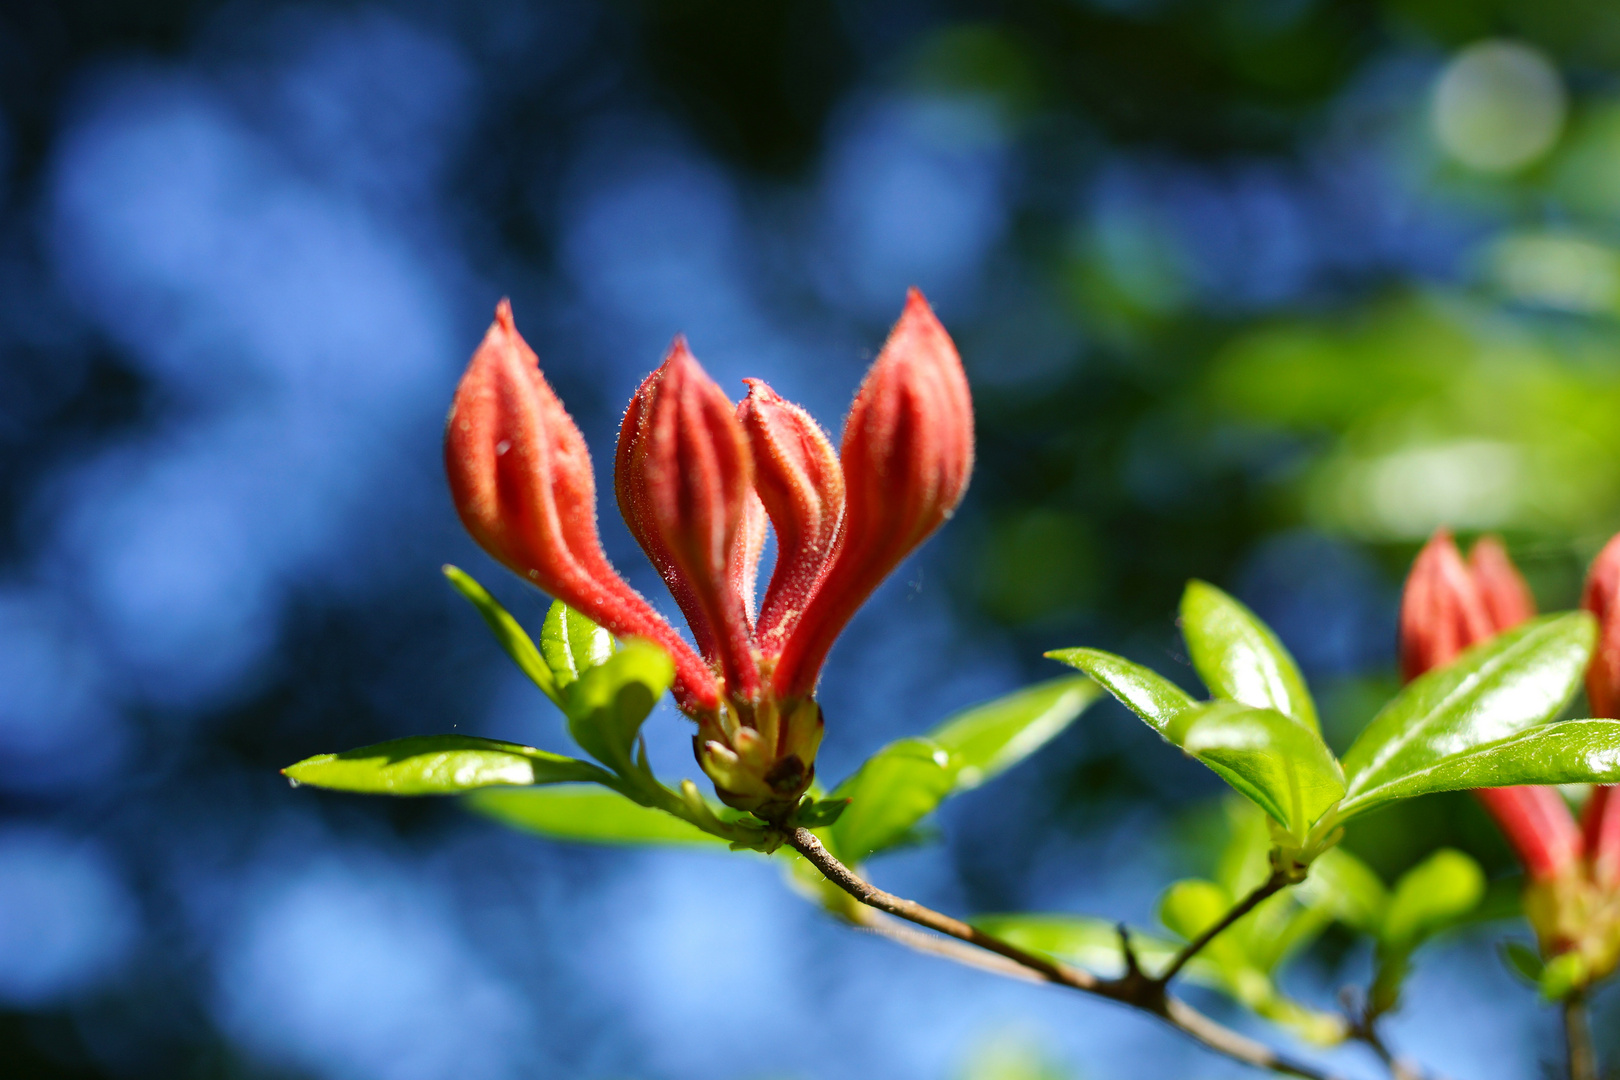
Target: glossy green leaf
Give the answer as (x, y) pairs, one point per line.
(989, 739)
(1431, 896)
(1282, 766)
(1517, 680)
(1238, 656)
(896, 788)
(905, 781)
(438, 765)
(571, 644)
(1086, 942)
(607, 703)
(586, 813)
(507, 632)
(1158, 701)
(1568, 752)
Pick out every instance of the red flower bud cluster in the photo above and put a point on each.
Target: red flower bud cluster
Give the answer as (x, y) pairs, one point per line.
(1450, 605)
(697, 480)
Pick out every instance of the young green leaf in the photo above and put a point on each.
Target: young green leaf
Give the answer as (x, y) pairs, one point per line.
(1238, 656)
(905, 781)
(1517, 680)
(607, 703)
(438, 765)
(1191, 906)
(1282, 766)
(507, 631)
(1523, 961)
(896, 788)
(821, 813)
(1567, 752)
(989, 739)
(1564, 974)
(587, 814)
(1346, 888)
(1430, 897)
(572, 644)
(1158, 701)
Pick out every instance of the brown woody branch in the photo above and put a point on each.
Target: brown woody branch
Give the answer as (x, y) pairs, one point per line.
(1134, 988)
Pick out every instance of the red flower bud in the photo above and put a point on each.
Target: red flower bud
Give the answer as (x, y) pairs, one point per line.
(1602, 599)
(520, 476)
(1502, 588)
(745, 555)
(1538, 826)
(684, 478)
(1442, 609)
(1449, 606)
(1600, 825)
(907, 453)
(1601, 821)
(801, 485)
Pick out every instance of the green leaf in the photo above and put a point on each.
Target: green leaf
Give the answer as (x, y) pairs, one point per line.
(1238, 656)
(507, 631)
(1523, 961)
(821, 813)
(1517, 680)
(572, 644)
(1564, 974)
(587, 813)
(607, 703)
(1282, 766)
(1190, 907)
(438, 765)
(1346, 888)
(1090, 943)
(1431, 896)
(896, 788)
(905, 781)
(1157, 700)
(989, 739)
(1567, 752)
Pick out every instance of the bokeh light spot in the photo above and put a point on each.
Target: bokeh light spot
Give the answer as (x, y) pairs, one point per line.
(1498, 106)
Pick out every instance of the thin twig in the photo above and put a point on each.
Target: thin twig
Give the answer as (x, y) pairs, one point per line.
(805, 843)
(1265, 891)
(1363, 1028)
(1578, 1034)
(887, 926)
(1139, 992)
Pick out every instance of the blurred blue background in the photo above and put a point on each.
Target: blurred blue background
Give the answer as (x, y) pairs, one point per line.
(1255, 290)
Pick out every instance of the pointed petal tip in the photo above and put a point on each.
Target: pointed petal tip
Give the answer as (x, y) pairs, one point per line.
(503, 315)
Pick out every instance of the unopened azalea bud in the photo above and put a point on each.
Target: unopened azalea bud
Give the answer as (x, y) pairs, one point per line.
(1600, 826)
(1538, 825)
(747, 551)
(520, 476)
(1449, 606)
(801, 485)
(907, 454)
(1602, 599)
(1502, 588)
(684, 476)
(1442, 609)
(1601, 820)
